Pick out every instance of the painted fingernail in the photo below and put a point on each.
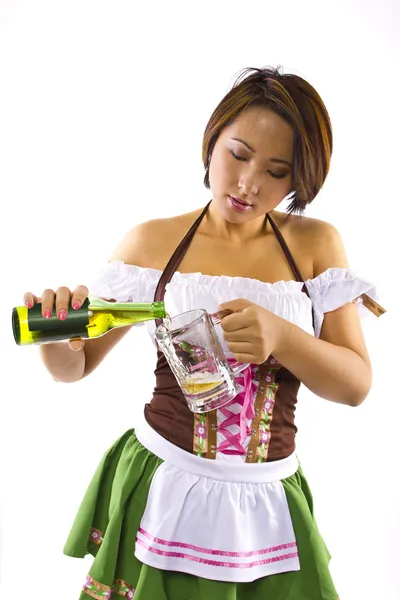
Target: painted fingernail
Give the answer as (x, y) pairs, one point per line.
(29, 304)
(74, 347)
(76, 305)
(47, 313)
(62, 315)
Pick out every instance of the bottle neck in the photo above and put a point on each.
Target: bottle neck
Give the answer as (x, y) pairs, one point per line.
(150, 310)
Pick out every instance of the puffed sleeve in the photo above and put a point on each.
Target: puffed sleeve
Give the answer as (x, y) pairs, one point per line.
(125, 283)
(335, 287)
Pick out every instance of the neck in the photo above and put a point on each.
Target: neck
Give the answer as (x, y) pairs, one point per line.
(215, 225)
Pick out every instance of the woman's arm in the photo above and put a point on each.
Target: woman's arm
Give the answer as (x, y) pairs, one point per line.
(68, 365)
(336, 366)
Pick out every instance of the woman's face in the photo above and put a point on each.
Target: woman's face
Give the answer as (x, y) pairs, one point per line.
(252, 162)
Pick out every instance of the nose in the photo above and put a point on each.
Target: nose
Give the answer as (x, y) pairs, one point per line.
(247, 190)
(248, 184)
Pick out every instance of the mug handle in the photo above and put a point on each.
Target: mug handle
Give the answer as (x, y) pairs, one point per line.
(237, 367)
(217, 317)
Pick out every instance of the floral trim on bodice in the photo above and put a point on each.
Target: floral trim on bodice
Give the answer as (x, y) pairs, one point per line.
(263, 408)
(205, 434)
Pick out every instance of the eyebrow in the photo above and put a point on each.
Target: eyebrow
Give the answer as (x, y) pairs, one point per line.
(274, 160)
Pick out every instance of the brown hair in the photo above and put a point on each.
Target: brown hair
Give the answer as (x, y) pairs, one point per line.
(297, 102)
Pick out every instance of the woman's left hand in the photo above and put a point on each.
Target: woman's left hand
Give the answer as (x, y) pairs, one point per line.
(252, 334)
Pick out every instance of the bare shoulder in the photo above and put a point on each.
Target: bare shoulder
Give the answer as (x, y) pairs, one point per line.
(318, 239)
(151, 244)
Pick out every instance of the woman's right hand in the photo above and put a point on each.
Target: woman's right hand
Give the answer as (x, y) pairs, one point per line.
(62, 299)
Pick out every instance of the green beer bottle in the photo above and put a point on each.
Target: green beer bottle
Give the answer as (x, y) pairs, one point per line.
(93, 319)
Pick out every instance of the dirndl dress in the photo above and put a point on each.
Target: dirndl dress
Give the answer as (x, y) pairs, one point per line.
(164, 523)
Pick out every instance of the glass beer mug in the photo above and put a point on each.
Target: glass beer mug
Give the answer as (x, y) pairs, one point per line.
(195, 355)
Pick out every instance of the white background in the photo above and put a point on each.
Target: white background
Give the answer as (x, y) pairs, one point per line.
(102, 111)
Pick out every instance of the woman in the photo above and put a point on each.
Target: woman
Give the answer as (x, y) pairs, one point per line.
(215, 506)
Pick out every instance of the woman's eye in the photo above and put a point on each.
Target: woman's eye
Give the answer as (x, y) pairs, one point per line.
(243, 158)
(276, 176)
(237, 156)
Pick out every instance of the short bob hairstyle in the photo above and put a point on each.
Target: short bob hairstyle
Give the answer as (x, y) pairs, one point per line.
(299, 104)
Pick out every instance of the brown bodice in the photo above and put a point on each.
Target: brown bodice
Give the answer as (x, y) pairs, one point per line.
(275, 400)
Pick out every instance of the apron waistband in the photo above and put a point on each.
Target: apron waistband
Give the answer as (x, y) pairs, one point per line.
(212, 468)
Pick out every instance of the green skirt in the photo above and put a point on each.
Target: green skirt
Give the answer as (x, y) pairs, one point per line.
(109, 517)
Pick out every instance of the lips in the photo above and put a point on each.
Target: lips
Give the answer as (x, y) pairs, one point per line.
(239, 205)
(240, 201)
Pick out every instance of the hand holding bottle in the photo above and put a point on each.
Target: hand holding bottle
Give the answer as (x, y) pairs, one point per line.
(73, 316)
(57, 305)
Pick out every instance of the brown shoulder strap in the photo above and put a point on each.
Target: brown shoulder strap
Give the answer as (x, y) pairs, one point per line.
(176, 260)
(285, 248)
(291, 261)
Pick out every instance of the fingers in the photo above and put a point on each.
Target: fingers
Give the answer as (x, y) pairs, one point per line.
(62, 298)
(47, 300)
(241, 348)
(218, 316)
(239, 335)
(79, 296)
(47, 303)
(76, 344)
(30, 299)
(235, 321)
(244, 352)
(235, 305)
